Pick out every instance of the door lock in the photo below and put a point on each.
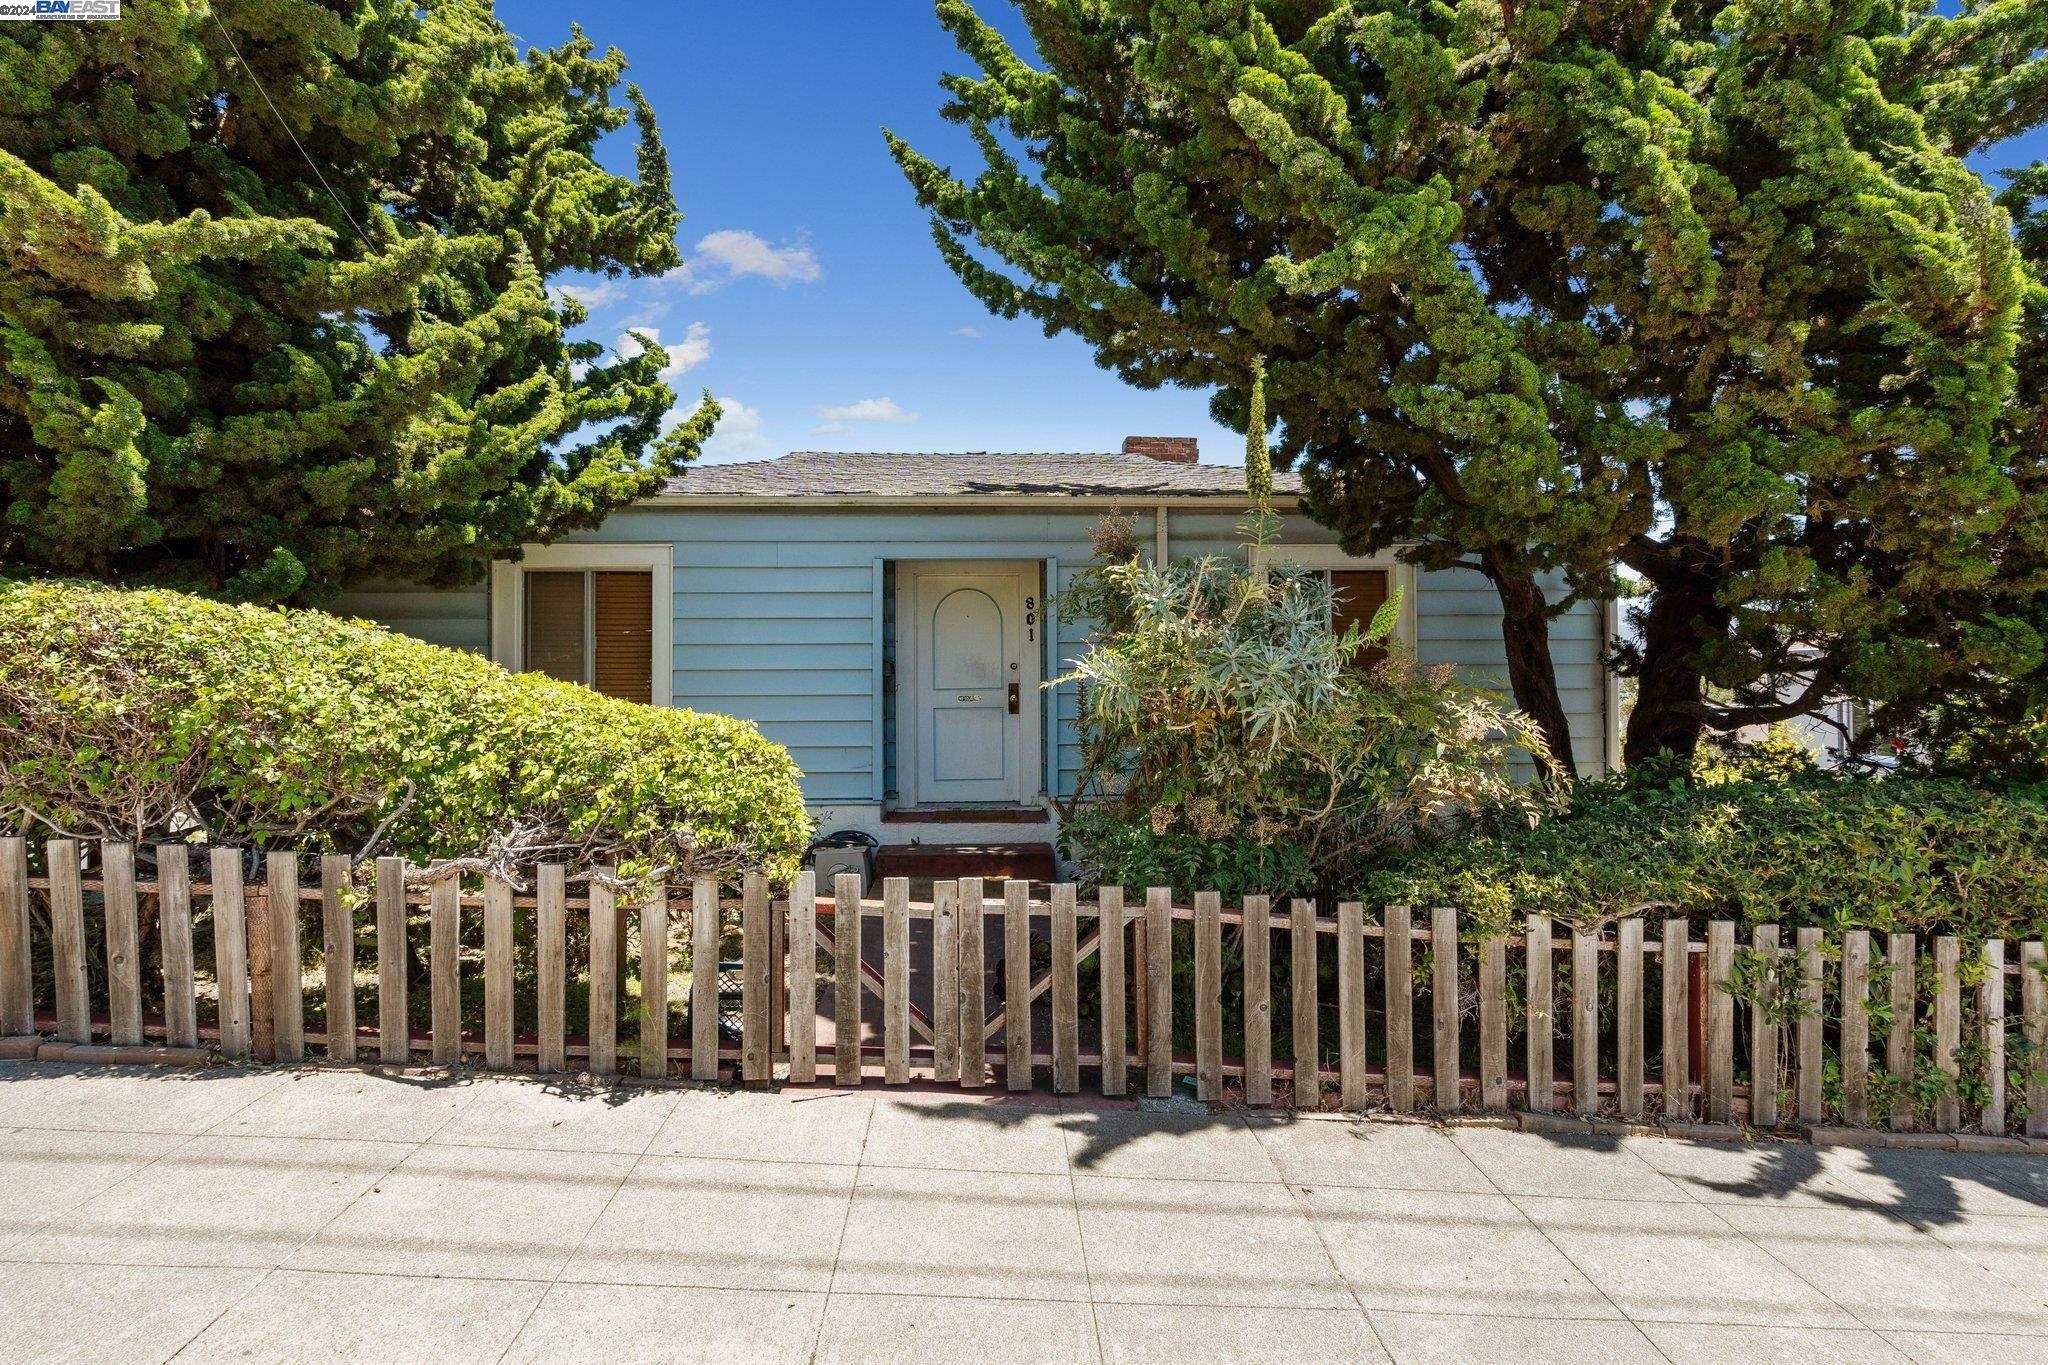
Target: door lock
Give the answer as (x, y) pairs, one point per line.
(1014, 699)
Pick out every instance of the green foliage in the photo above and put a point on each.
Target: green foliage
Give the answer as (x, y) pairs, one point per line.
(1116, 849)
(150, 714)
(272, 350)
(1899, 854)
(1704, 293)
(1224, 716)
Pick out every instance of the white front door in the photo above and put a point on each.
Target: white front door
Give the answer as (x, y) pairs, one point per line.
(971, 718)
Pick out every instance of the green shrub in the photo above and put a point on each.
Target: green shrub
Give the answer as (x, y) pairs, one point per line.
(1893, 854)
(1113, 848)
(141, 715)
(1227, 730)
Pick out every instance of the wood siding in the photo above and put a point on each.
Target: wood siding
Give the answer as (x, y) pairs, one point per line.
(775, 618)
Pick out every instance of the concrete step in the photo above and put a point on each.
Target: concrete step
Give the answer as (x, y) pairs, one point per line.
(992, 862)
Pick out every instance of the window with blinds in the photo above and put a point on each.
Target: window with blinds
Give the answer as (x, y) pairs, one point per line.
(1356, 596)
(594, 627)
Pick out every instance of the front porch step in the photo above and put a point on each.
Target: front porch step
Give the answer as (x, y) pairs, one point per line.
(968, 815)
(992, 862)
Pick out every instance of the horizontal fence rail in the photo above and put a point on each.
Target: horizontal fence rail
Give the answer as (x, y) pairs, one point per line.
(985, 986)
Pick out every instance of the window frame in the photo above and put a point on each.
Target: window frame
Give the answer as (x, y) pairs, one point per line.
(508, 600)
(1324, 558)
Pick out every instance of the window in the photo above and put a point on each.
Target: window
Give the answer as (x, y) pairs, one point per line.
(1356, 595)
(1361, 586)
(599, 615)
(593, 627)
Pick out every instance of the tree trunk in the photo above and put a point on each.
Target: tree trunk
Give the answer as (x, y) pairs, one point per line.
(1669, 715)
(1532, 675)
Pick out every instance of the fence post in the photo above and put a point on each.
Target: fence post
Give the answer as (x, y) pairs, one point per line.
(1628, 994)
(1493, 1022)
(1302, 984)
(1399, 945)
(604, 974)
(1720, 1077)
(444, 967)
(1902, 957)
(1675, 996)
(1109, 904)
(287, 981)
(67, 942)
(1809, 1032)
(262, 977)
(337, 956)
(551, 925)
(1585, 1022)
(1991, 1020)
(124, 970)
(1258, 1001)
(1541, 1097)
(1351, 1005)
(1066, 990)
(704, 949)
(17, 981)
(231, 952)
(972, 981)
(757, 1049)
(1856, 1028)
(498, 1044)
(394, 1020)
(946, 982)
(1159, 992)
(2034, 1024)
(1443, 999)
(1948, 1029)
(654, 980)
(1208, 995)
(896, 983)
(803, 978)
(174, 919)
(1017, 983)
(1763, 1040)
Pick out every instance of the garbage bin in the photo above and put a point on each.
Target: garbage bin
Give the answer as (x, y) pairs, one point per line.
(846, 850)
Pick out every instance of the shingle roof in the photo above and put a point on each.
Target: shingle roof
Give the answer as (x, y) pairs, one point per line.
(818, 473)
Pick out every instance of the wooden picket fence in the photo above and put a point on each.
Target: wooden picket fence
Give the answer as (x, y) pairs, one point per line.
(259, 1009)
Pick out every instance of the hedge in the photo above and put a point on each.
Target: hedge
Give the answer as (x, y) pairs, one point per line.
(1895, 853)
(151, 714)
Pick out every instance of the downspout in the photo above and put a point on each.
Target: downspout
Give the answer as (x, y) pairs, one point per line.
(1159, 550)
(1610, 690)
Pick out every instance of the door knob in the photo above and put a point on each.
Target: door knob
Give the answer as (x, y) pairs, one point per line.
(1014, 700)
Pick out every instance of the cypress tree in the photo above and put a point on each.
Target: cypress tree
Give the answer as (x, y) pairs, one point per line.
(1702, 293)
(274, 311)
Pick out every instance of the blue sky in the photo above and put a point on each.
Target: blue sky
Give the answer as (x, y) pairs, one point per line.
(814, 303)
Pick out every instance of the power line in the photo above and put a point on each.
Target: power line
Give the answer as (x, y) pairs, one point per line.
(274, 113)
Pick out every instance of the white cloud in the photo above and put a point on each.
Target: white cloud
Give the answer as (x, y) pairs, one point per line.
(971, 333)
(739, 434)
(685, 355)
(734, 253)
(594, 294)
(867, 410)
(718, 259)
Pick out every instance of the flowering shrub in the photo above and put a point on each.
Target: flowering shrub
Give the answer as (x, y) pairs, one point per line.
(1221, 710)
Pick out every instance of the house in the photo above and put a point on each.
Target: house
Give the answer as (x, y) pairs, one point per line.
(890, 617)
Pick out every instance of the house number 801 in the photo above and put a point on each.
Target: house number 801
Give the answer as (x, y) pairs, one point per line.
(1031, 620)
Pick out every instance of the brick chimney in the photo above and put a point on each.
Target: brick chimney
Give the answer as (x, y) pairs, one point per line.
(1165, 449)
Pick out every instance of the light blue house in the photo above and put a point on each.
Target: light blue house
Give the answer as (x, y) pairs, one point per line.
(890, 618)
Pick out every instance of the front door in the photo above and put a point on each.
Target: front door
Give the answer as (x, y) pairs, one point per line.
(973, 683)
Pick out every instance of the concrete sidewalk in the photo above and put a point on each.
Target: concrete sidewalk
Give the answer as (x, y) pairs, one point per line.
(288, 1215)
